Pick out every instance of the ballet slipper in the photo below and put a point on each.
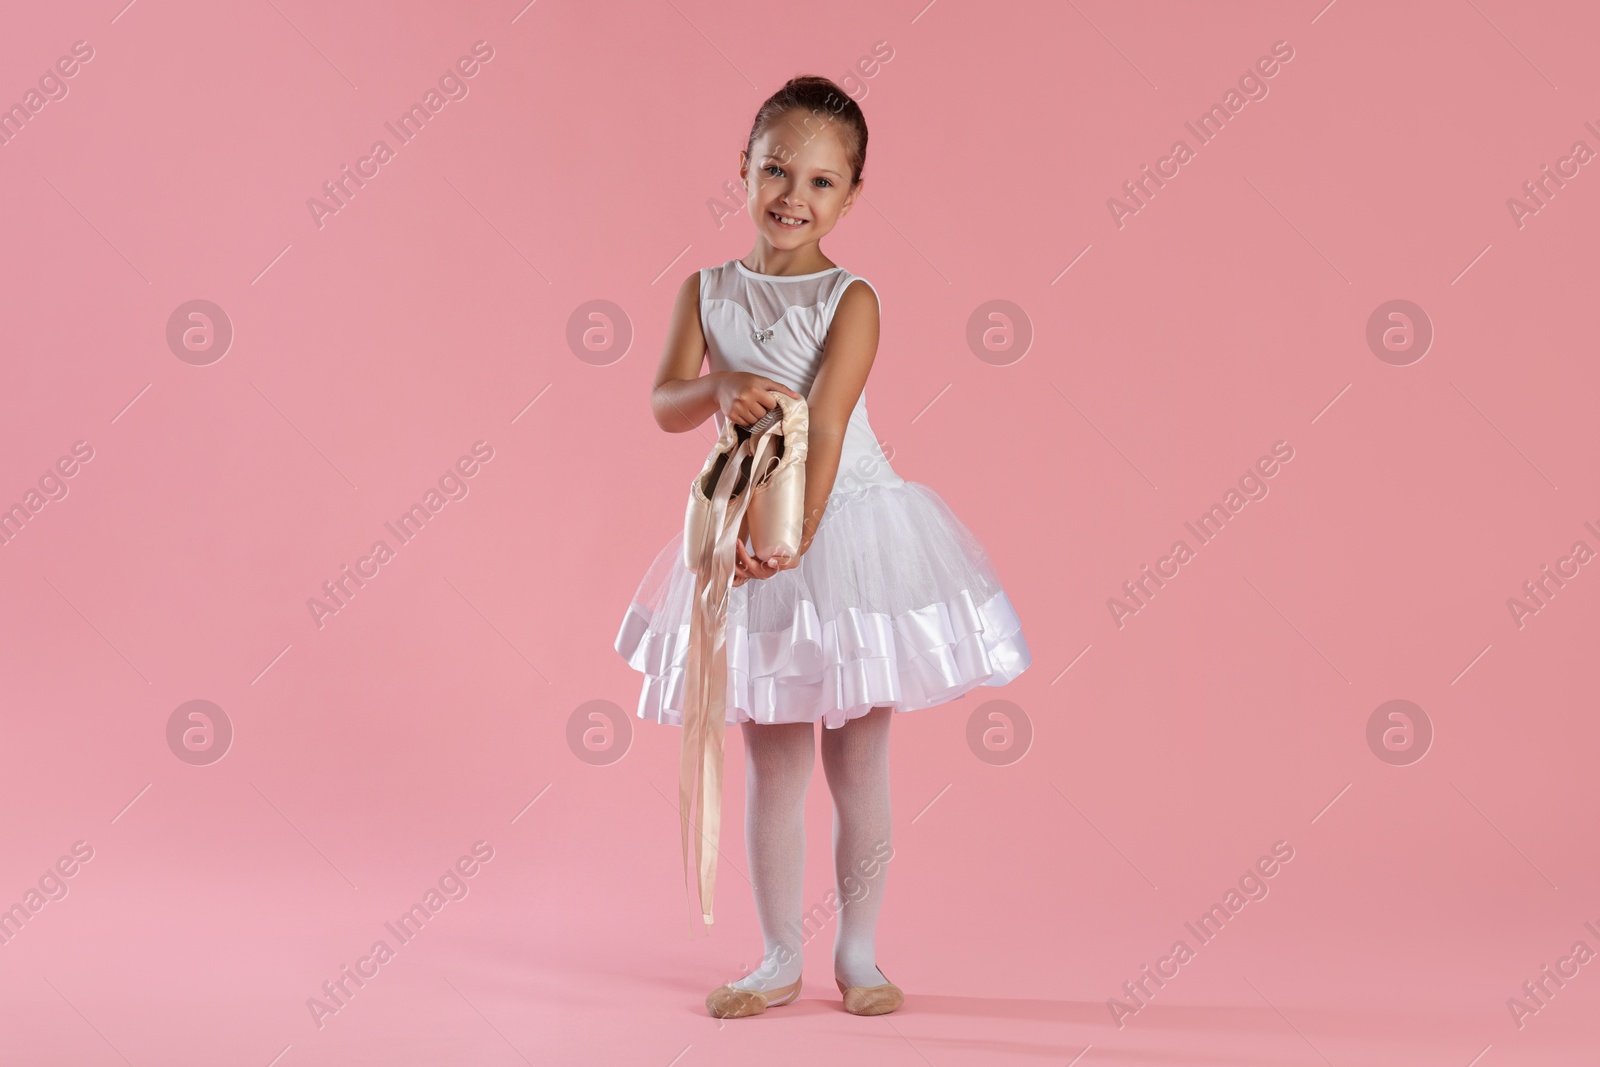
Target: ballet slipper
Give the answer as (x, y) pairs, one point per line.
(871, 999)
(726, 1002)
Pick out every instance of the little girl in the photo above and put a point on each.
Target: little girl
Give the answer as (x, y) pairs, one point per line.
(891, 605)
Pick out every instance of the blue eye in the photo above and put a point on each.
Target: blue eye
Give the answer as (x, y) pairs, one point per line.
(825, 182)
(773, 166)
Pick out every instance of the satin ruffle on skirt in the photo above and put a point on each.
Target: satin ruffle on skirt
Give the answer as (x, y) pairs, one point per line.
(895, 604)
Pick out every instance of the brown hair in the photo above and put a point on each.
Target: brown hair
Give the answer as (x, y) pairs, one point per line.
(816, 95)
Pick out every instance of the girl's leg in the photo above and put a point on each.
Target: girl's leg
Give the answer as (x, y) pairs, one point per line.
(778, 761)
(855, 758)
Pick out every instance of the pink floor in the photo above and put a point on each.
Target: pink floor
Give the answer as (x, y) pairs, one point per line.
(191, 497)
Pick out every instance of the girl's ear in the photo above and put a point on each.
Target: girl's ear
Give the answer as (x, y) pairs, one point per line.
(850, 198)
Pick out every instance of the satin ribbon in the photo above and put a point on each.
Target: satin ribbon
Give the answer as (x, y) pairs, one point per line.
(705, 706)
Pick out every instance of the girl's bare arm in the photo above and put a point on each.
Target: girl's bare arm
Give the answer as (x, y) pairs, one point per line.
(681, 397)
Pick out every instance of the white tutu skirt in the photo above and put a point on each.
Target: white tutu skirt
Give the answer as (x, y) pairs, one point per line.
(895, 604)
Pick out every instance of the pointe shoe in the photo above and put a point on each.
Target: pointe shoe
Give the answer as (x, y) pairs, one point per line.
(761, 469)
(727, 471)
(726, 1002)
(778, 498)
(871, 999)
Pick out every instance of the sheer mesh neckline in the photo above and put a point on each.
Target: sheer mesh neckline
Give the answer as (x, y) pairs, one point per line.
(783, 277)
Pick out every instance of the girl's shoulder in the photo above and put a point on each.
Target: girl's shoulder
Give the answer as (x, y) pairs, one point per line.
(845, 281)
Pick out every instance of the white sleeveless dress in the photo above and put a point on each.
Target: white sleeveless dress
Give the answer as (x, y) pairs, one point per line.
(894, 604)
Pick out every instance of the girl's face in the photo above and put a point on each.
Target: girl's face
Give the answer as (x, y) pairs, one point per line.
(797, 177)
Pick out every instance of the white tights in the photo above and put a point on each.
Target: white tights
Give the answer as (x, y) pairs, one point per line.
(855, 759)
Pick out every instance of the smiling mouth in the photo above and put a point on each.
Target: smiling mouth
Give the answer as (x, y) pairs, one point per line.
(788, 222)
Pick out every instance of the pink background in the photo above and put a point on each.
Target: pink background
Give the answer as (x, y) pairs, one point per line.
(432, 310)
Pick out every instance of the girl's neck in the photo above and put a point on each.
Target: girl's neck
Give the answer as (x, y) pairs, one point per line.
(807, 259)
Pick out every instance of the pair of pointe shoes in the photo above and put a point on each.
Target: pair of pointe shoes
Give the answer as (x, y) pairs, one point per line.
(726, 1002)
(772, 497)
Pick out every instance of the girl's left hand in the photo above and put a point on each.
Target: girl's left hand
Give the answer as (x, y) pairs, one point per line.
(746, 566)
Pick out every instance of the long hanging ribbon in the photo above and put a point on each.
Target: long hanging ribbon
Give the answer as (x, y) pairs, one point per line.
(700, 757)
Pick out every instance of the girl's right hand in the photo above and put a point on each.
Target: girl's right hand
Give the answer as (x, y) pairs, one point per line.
(745, 397)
